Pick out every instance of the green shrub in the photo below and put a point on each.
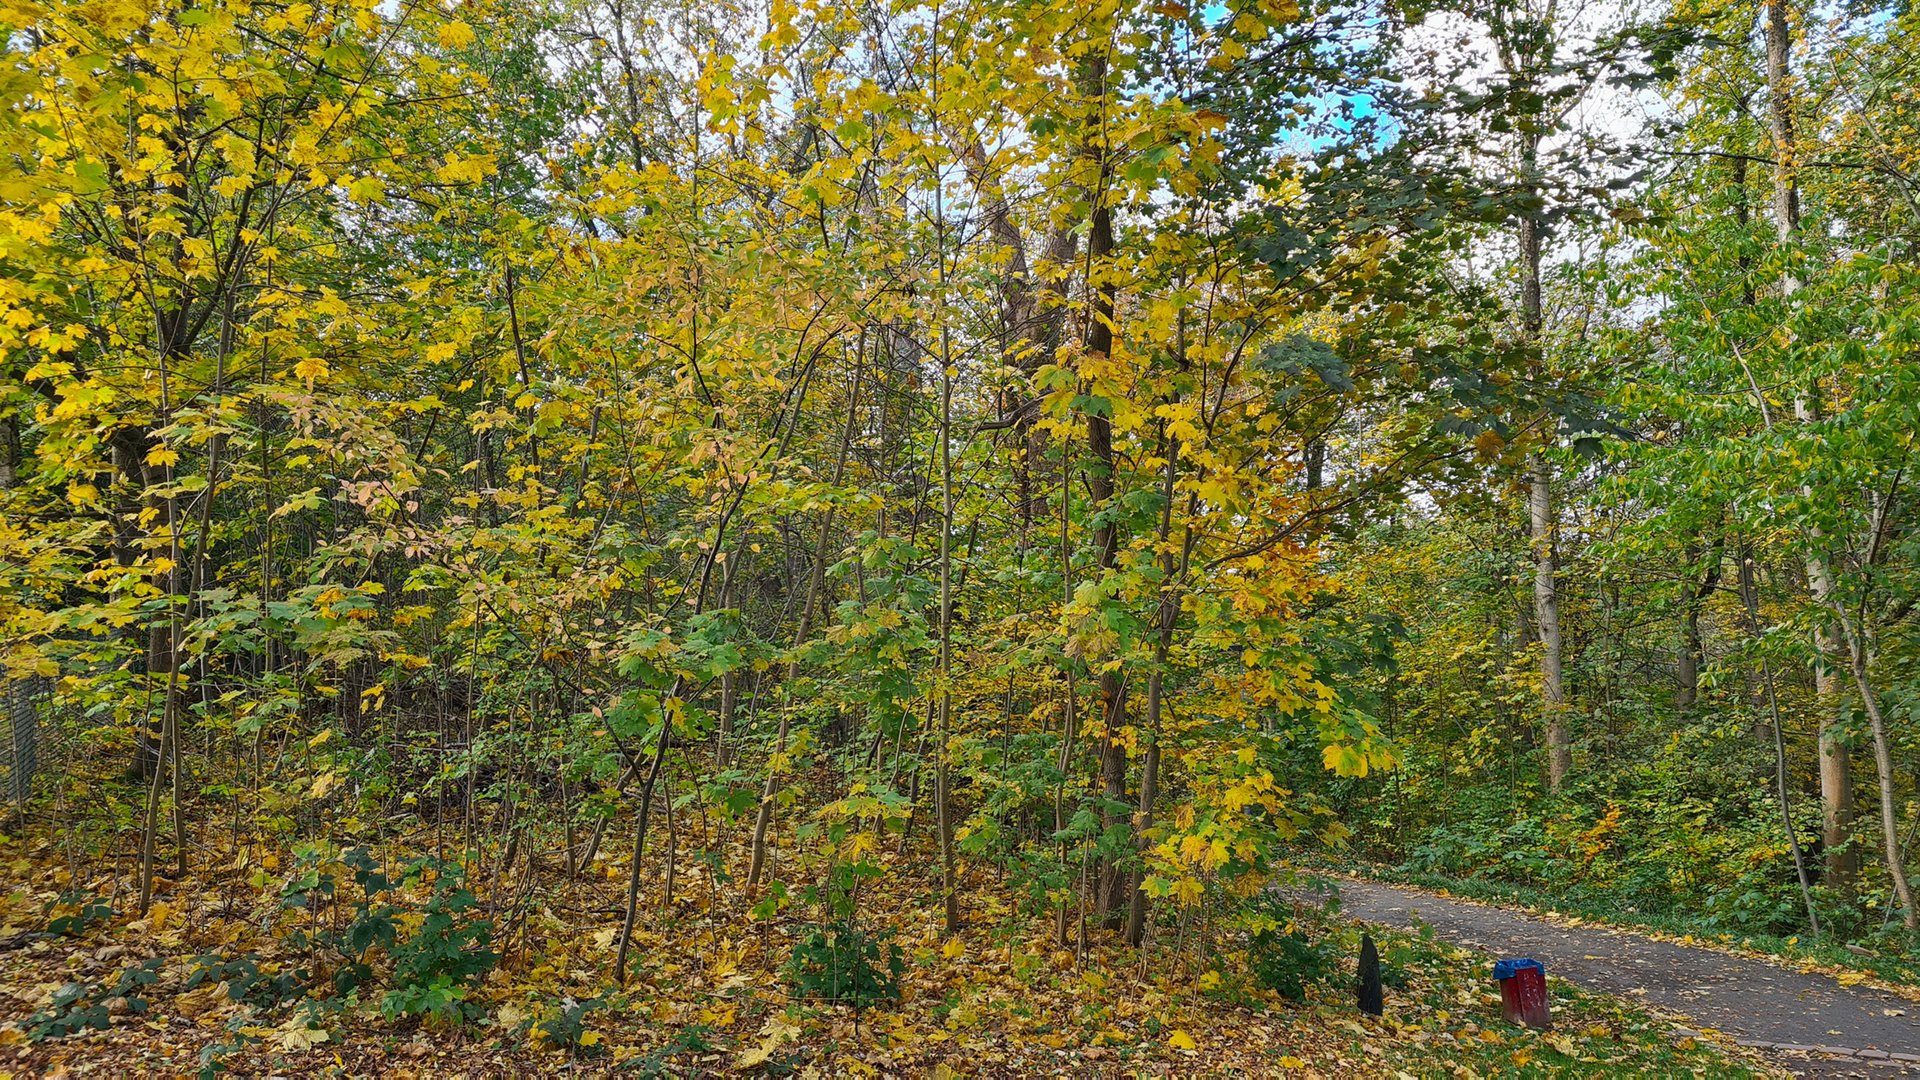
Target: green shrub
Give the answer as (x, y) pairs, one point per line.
(1287, 962)
(840, 962)
(87, 910)
(563, 1026)
(78, 1006)
(1279, 952)
(245, 982)
(434, 965)
(691, 1039)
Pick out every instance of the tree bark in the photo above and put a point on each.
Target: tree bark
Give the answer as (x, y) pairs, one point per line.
(9, 451)
(1166, 616)
(1836, 773)
(1546, 609)
(1750, 606)
(1106, 543)
(1692, 648)
(942, 778)
(1540, 512)
(1883, 766)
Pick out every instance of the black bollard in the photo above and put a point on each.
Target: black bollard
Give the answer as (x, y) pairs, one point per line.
(1373, 997)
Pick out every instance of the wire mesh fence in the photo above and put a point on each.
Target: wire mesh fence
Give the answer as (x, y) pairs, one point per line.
(20, 742)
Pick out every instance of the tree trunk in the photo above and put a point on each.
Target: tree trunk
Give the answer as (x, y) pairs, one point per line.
(9, 451)
(1546, 609)
(1836, 779)
(1687, 672)
(1540, 513)
(942, 778)
(1750, 605)
(1166, 615)
(1692, 648)
(1109, 877)
(1106, 543)
(1070, 719)
(1883, 766)
(816, 578)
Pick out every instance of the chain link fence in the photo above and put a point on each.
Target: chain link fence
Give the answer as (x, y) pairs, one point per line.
(20, 741)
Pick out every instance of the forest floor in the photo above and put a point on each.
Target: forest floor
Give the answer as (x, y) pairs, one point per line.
(1808, 1020)
(217, 977)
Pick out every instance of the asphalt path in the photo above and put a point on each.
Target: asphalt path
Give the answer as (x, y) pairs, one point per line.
(1807, 1023)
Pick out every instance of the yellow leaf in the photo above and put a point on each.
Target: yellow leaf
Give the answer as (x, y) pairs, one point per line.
(455, 35)
(296, 1035)
(954, 949)
(163, 455)
(157, 914)
(1344, 760)
(367, 189)
(323, 784)
(1180, 1040)
(470, 169)
(778, 1030)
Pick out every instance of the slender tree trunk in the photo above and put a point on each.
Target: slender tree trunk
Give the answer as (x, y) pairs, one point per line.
(729, 685)
(1750, 604)
(1540, 510)
(10, 452)
(1069, 723)
(1546, 609)
(816, 580)
(1173, 571)
(668, 706)
(1166, 615)
(1883, 765)
(1687, 671)
(1106, 542)
(1692, 648)
(942, 779)
(1836, 774)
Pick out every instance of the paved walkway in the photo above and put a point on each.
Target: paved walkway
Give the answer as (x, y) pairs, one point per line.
(1810, 1024)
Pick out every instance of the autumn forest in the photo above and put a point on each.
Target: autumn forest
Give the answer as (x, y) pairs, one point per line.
(923, 536)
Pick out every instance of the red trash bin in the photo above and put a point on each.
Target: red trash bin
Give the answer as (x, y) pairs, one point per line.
(1523, 992)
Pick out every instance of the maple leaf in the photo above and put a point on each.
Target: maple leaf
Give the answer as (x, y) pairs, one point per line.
(297, 1035)
(778, 1029)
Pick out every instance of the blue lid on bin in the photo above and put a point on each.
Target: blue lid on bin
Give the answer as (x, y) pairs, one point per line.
(1507, 969)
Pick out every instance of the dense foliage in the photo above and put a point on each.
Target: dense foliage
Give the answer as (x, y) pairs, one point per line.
(1069, 462)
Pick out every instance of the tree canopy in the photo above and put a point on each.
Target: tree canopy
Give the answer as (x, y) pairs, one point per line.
(1064, 469)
